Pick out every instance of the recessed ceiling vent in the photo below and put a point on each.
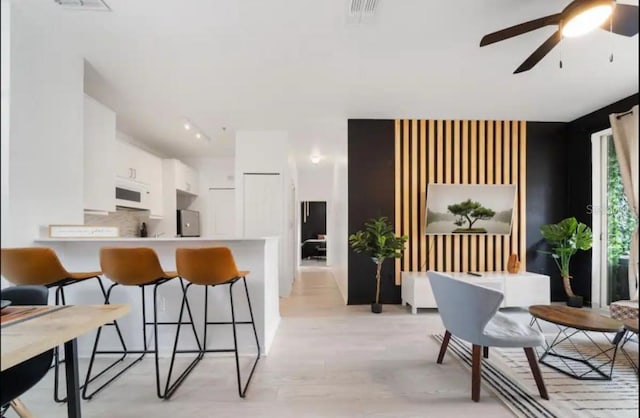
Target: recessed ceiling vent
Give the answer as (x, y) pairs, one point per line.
(87, 5)
(362, 7)
(360, 10)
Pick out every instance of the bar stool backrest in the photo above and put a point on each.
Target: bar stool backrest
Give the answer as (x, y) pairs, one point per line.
(32, 266)
(131, 266)
(206, 266)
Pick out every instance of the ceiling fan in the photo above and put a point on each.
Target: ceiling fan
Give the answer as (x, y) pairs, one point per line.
(578, 18)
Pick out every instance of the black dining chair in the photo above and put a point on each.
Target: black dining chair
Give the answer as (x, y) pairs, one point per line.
(20, 378)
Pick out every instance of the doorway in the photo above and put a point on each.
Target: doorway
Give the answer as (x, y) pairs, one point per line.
(613, 225)
(313, 234)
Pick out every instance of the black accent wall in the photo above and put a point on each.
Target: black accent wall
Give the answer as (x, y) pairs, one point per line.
(546, 194)
(558, 186)
(371, 194)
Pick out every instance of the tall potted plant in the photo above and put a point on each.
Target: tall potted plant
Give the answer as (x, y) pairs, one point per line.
(566, 238)
(379, 242)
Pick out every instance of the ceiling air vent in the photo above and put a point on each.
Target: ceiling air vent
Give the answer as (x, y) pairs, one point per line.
(360, 10)
(88, 5)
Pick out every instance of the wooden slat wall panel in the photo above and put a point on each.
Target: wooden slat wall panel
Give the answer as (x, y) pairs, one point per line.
(456, 180)
(423, 192)
(439, 248)
(473, 179)
(415, 195)
(431, 179)
(457, 152)
(482, 241)
(464, 244)
(398, 191)
(522, 196)
(406, 259)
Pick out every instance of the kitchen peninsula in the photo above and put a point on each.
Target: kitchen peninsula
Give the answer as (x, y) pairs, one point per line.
(258, 255)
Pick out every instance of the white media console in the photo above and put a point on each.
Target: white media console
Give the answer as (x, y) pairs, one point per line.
(519, 289)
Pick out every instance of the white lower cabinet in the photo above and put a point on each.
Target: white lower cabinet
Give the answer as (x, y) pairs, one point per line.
(520, 290)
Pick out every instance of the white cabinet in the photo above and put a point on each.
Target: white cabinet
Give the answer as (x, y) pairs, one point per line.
(156, 187)
(520, 290)
(135, 164)
(99, 130)
(186, 178)
(139, 166)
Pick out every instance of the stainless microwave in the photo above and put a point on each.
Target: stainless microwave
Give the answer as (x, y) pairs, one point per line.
(132, 194)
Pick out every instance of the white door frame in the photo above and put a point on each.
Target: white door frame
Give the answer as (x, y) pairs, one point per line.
(599, 271)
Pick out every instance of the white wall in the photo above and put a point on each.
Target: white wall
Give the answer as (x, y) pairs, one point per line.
(338, 228)
(46, 145)
(212, 173)
(268, 152)
(5, 49)
(315, 182)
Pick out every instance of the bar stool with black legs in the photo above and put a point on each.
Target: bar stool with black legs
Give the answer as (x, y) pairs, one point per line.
(41, 266)
(139, 267)
(215, 266)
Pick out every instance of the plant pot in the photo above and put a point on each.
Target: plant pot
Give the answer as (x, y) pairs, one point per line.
(376, 307)
(575, 301)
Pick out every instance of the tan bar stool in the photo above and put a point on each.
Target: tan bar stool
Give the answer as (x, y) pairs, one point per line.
(139, 267)
(41, 266)
(215, 267)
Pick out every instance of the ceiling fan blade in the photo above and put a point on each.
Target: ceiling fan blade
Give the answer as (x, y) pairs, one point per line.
(539, 53)
(516, 30)
(625, 20)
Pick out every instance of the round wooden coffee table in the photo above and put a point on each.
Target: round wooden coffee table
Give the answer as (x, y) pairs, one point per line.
(572, 322)
(631, 327)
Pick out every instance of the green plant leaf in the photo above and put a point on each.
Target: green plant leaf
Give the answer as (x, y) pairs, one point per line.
(565, 239)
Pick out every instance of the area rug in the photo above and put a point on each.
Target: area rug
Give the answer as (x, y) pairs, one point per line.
(507, 374)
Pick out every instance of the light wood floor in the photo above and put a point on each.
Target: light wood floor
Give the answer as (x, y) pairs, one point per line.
(328, 360)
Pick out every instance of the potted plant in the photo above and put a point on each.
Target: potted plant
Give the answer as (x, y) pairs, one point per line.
(566, 238)
(379, 242)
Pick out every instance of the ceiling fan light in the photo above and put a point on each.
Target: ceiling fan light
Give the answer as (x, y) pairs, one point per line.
(586, 20)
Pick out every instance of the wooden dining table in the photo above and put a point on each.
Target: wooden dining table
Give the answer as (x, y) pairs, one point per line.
(27, 331)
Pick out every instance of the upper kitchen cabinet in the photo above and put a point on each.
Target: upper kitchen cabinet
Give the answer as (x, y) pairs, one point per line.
(139, 166)
(186, 178)
(134, 163)
(99, 156)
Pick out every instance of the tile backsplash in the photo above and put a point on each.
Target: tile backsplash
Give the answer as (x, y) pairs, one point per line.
(128, 221)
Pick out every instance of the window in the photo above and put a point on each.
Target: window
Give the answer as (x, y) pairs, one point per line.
(613, 225)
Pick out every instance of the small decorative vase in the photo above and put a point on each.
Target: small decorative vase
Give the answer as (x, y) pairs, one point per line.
(513, 266)
(376, 307)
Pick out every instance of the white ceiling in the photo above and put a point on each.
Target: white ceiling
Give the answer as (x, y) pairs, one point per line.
(299, 65)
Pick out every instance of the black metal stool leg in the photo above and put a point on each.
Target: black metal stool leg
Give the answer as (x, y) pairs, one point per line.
(95, 351)
(56, 360)
(242, 390)
(170, 388)
(253, 323)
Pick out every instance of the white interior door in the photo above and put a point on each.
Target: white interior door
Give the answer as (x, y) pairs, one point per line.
(222, 212)
(263, 205)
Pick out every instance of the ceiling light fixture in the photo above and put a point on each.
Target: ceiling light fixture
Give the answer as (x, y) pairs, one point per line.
(315, 159)
(585, 17)
(198, 133)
